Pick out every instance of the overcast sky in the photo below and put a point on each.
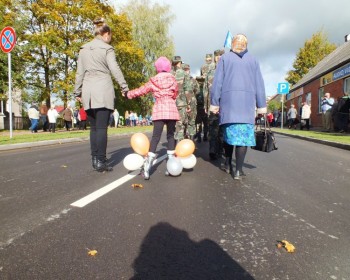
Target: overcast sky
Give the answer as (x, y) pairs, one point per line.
(275, 29)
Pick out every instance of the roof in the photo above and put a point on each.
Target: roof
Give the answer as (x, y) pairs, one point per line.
(337, 58)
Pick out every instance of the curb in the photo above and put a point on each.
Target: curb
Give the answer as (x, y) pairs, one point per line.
(28, 145)
(10, 147)
(319, 141)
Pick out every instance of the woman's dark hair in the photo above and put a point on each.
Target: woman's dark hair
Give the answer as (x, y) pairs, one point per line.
(101, 27)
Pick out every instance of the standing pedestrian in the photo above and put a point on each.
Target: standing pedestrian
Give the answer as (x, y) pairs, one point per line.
(52, 115)
(305, 116)
(202, 115)
(191, 93)
(94, 86)
(327, 103)
(292, 115)
(43, 115)
(116, 118)
(183, 105)
(68, 117)
(237, 90)
(33, 114)
(215, 142)
(83, 118)
(164, 89)
(343, 113)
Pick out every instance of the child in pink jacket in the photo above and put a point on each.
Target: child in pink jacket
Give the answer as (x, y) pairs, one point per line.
(164, 89)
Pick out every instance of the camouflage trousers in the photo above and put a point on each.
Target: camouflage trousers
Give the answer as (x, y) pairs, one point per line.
(215, 135)
(201, 123)
(186, 126)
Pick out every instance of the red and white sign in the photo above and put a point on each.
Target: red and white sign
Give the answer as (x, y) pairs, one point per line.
(7, 39)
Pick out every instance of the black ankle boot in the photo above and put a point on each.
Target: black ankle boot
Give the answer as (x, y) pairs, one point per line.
(101, 166)
(94, 162)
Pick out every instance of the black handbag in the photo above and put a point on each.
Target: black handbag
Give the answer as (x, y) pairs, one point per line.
(264, 137)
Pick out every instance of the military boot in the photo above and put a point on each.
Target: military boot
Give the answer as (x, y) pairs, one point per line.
(148, 164)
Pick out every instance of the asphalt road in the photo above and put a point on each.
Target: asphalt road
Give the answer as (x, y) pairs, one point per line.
(200, 225)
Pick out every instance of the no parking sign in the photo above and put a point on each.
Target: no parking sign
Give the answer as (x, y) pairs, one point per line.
(7, 43)
(7, 39)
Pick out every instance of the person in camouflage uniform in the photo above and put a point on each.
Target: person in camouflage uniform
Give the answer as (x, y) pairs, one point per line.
(202, 116)
(215, 139)
(182, 103)
(191, 93)
(206, 65)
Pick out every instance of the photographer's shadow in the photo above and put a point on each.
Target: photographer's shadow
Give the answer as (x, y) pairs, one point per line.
(169, 253)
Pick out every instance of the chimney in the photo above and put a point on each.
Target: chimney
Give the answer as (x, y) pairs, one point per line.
(347, 38)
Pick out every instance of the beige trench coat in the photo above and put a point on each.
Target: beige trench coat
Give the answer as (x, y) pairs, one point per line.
(93, 81)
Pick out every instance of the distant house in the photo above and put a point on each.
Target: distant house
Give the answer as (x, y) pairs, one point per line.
(332, 74)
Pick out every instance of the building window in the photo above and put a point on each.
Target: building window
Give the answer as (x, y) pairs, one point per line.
(347, 86)
(320, 96)
(308, 98)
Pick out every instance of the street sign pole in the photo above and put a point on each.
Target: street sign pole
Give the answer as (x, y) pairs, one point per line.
(283, 89)
(10, 92)
(282, 99)
(7, 43)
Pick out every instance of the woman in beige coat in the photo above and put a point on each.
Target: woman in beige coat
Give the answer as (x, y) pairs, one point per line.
(94, 88)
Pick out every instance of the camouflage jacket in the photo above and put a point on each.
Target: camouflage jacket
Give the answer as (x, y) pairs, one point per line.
(207, 86)
(184, 84)
(192, 92)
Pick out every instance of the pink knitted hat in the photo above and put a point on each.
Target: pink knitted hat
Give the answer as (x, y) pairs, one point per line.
(162, 64)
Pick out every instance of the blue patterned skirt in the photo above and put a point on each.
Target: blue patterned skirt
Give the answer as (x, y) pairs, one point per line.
(239, 134)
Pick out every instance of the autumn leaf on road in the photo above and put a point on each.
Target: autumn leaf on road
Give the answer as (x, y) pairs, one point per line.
(92, 253)
(137, 186)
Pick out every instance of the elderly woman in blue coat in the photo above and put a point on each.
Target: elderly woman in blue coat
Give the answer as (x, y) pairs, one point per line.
(238, 89)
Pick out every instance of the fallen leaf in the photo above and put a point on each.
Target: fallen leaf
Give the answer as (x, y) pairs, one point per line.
(92, 253)
(137, 185)
(286, 245)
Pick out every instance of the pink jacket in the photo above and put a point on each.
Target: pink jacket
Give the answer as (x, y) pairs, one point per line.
(165, 89)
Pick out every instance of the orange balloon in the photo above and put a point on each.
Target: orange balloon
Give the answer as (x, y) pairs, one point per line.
(184, 148)
(140, 143)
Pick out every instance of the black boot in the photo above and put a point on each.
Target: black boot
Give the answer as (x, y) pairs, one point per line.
(94, 162)
(227, 166)
(101, 166)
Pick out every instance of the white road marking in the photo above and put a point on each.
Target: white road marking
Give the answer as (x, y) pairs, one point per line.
(106, 189)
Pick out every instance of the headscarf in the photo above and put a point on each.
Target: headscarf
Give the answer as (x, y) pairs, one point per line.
(162, 64)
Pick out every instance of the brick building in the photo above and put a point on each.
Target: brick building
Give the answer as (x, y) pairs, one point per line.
(332, 74)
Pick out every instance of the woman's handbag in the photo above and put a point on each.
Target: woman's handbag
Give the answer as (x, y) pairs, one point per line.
(264, 137)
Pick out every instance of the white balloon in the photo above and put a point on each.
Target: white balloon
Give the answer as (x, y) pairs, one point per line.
(189, 162)
(133, 161)
(174, 166)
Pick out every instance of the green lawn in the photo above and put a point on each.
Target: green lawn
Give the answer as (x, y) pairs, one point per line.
(20, 136)
(332, 137)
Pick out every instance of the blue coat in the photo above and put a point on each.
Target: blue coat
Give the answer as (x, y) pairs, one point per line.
(238, 88)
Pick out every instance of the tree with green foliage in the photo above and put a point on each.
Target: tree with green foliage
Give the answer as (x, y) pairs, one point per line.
(315, 49)
(274, 105)
(55, 32)
(8, 17)
(151, 23)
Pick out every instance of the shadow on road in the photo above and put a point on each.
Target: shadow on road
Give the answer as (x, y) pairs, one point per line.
(169, 253)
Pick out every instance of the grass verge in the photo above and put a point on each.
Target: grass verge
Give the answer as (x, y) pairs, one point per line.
(20, 136)
(327, 136)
